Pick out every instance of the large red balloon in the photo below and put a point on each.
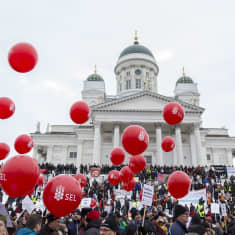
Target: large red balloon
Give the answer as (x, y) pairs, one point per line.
(93, 203)
(135, 139)
(117, 156)
(128, 186)
(178, 184)
(4, 150)
(168, 144)
(22, 57)
(137, 163)
(81, 179)
(114, 177)
(79, 112)
(23, 144)
(126, 174)
(41, 180)
(141, 195)
(173, 113)
(62, 195)
(19, 175)
(7, 107)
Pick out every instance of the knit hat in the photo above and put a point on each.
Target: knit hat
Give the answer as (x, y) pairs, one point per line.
(93, 215)
(111, 223)
(179, 210)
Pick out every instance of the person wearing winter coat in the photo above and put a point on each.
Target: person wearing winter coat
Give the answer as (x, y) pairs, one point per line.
(93, 223)
(32, 227)
(196, 226)
(181, 218)
(231, 226)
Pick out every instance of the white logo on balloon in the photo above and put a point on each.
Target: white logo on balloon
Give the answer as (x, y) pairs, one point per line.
(59, 194)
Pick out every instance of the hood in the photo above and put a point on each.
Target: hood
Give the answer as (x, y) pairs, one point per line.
(24, 231)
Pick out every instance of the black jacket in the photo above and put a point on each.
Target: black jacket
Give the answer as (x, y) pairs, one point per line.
(93, 227)
(231, 228)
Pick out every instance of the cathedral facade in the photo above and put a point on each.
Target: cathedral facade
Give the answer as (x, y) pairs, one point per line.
(137, 101)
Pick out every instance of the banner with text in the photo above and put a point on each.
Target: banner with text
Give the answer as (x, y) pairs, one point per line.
(230, 171)
(194, 197)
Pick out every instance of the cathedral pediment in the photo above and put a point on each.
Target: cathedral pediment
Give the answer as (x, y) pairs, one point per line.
(143, 101)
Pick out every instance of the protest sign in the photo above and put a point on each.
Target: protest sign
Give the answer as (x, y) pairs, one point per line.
(122, 194)
(230, 171)
(223, 209)
(215, 208)
(147, 197)
(28, 205)
(194, 197)
(85, 203)
(95, 172)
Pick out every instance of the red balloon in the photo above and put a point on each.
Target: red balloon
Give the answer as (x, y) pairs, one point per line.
(23, 144)
(93, 203)
(168, 144)
(41, 180)
(141, 195)
(19, 175)
(173, 113)
(128, 186)
(137, 163)
(42, 171)
(114, 177)
(62, 195)
(117, 156)
(79, 112)
(31, 191)
(7, 108)
(178, 184)
(22, 57)
(135, 139)
(126, 174)
(81, 179)
(4, 150)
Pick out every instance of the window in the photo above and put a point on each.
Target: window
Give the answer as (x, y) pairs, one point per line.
(148, 160)
(128, 84)
(147, 74)
(73, 155)
(138, 83)
(208, 157)
(128, 73)
(120, 87)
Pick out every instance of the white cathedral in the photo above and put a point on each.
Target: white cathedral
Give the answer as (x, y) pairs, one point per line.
(137, 102)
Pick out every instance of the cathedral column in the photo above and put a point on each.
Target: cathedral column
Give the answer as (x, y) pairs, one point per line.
(179, 147)
(193, 149)
(229, 156)
(97, 143)
(49, 153)
(79, 154)
(116, 136)
(198, 144)
(158, 145)
(35, 152)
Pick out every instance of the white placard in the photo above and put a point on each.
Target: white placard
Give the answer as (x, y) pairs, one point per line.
(223, 209)
(85, 203)
(230, 171)
(28, 205)
(215, 208)
(193, 197)
(147, 198)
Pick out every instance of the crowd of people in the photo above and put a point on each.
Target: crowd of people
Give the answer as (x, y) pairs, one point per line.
(126, 215)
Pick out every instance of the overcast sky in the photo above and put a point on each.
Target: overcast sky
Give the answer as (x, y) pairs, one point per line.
(72, 36)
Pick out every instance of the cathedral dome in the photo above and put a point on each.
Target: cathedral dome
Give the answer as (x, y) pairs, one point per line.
(184, 79)
(136, 48)
(94, 77)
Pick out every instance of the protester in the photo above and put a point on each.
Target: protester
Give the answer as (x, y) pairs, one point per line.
(181, 218)
(93, 223)
(52, 226)
(32, 226)
(110, 227)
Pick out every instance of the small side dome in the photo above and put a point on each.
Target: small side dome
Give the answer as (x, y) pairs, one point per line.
(184, 79)
(95, 77)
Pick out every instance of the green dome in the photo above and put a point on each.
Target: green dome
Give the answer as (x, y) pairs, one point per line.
(95, 77)
(184, 79)
(136, 48)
